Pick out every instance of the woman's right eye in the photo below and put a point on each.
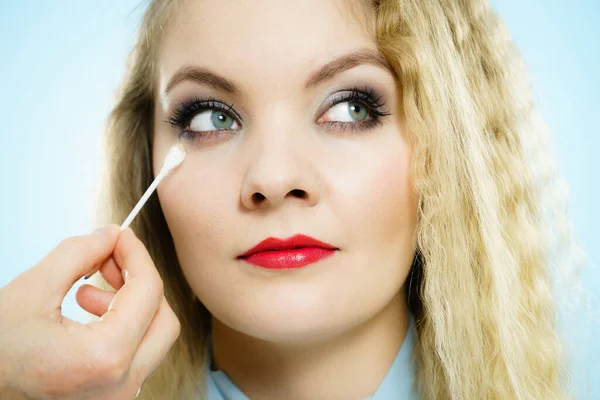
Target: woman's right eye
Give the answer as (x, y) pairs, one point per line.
(211, 120)
(201, 118)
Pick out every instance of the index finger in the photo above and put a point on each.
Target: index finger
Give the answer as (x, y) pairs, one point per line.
(58, 271)
(136, 302)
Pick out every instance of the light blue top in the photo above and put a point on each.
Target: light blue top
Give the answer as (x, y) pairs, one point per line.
(397, 384)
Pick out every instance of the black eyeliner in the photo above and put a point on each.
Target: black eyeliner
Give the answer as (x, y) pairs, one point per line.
(363, 94)
(182, 115)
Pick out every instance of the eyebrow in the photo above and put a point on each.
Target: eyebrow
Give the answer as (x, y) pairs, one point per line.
(204, 76)
(346, 62)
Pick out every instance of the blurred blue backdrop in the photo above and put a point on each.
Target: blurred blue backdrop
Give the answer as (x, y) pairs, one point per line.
(62, 61)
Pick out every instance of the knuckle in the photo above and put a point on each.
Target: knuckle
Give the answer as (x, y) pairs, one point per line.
(175, 327)
(112, 366)
(157, 286)
(113, 372)
(173, 321)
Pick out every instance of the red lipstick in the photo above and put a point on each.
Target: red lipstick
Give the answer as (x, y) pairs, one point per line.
(294, 252)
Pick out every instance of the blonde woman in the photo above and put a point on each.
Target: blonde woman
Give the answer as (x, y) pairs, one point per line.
(362, 214)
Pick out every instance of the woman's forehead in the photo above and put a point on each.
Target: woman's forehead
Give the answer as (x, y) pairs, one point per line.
(215, 28)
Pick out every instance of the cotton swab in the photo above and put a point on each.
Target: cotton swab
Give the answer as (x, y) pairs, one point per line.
(172, 160)
(174, 157)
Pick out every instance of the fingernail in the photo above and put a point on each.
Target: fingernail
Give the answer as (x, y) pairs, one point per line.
(102, 231)
(89, 275)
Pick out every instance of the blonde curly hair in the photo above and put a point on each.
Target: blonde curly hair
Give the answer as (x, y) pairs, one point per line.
(492, 217)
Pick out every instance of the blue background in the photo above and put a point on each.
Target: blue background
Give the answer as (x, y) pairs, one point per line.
(61, 62)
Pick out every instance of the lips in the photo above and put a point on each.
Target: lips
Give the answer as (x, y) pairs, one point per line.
(294, 252)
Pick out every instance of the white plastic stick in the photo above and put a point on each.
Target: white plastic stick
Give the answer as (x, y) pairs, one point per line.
(174, 157)
(142, 201)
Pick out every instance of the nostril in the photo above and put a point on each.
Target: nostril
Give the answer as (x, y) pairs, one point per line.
(299, 193)
(258, 197)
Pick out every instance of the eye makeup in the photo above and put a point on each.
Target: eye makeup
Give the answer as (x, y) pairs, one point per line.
(182, 116)
(364, 96)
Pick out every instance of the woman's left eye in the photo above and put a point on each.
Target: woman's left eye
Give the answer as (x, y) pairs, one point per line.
(347, 111)
(358, 109)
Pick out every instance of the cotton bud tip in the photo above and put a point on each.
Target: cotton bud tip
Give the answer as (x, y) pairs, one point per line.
(175, 157)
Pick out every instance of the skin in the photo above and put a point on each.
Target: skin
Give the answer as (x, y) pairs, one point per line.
(333, 328)
(43, 354)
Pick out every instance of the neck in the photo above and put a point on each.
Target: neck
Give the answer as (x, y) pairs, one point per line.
(349, 366)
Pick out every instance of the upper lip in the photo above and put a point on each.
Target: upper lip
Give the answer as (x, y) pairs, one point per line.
(296, 241)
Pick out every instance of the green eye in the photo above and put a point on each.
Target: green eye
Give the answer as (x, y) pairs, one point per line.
(348, 111)
(221, 120)
(213, 120)
(357, 111)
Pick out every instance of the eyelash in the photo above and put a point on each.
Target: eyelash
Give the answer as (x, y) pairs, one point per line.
(182, 116)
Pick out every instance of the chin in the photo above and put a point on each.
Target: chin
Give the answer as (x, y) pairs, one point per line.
(302, 332)
(289, 322)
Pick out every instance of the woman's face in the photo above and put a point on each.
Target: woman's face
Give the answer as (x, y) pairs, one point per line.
(298, 149)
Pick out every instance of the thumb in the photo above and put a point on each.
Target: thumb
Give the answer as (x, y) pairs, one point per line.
(72, 259)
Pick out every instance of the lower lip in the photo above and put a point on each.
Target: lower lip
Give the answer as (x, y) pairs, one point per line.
(288, 259)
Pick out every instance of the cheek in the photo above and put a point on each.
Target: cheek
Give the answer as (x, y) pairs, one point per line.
(391, 202)
(197, 204)
(376, 201)
(381, 220)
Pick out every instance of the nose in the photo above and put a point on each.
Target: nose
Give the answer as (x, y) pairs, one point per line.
(280, 169)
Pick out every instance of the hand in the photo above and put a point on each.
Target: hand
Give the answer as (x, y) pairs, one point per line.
(46, 355)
